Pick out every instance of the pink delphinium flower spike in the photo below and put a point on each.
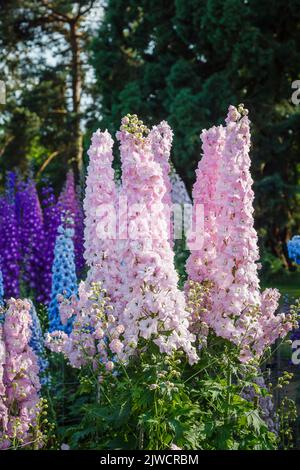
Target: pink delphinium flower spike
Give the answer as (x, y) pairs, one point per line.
(236, 309)
(3, 407)
(201, 264)
(100, 206)
(154, 303)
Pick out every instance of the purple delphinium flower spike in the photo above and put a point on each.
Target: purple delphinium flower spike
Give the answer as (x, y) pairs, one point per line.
(9, 247)
(32, 239)
(52, 219)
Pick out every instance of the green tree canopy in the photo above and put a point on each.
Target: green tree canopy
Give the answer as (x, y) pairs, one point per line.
(44, 64)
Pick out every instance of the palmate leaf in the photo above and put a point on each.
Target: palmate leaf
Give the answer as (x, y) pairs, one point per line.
(193, 435)
(176, 427)
(254, 420)
(240, 403)
(213, 388)
(141, 399)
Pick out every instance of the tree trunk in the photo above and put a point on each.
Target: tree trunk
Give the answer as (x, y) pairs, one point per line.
(76, 74)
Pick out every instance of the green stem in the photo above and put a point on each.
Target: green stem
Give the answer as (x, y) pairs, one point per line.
(201, 370)
(228, 395)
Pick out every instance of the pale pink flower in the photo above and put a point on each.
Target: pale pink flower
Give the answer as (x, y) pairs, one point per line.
(19, 375)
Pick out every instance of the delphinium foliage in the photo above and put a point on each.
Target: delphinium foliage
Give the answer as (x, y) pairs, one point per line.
(64, 280)
(20, 404)
(32, 239)
(70, 204)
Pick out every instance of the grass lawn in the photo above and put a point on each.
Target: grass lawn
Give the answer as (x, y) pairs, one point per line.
(288, 284)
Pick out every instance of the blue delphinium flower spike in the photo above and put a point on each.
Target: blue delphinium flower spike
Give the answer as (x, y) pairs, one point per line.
(64, 280)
